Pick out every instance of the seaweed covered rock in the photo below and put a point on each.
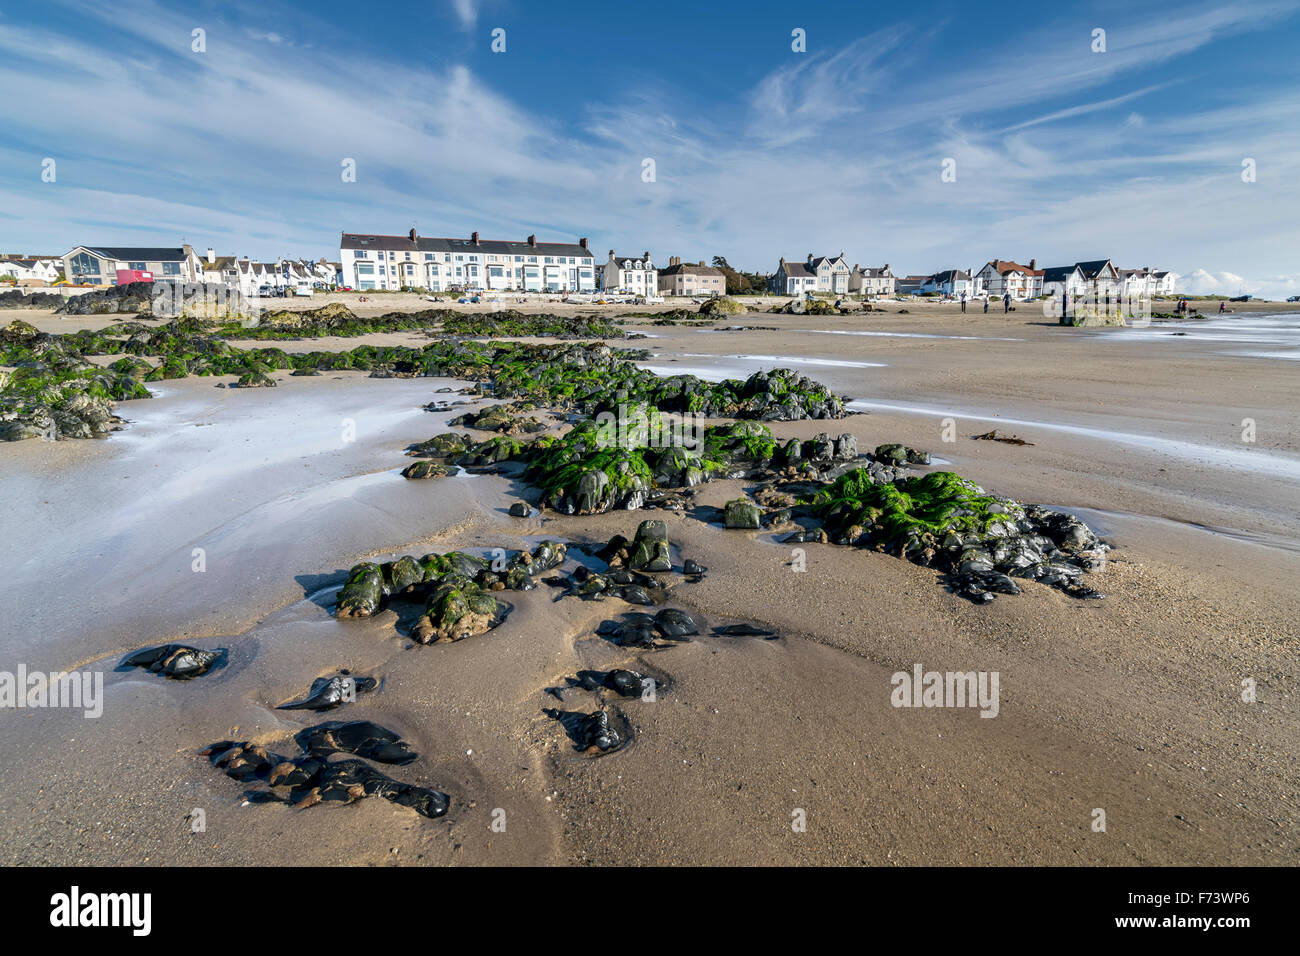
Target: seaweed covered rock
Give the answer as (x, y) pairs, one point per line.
(650, 548)
(447, 445)
(721, 306)
(425, 469)
(502, 418)
(742, 513)
(948, 522)
(362, 593)
(457, 610)
(894, 453)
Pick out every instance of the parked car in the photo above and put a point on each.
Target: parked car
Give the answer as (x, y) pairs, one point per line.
(1294, 298)
(1240, 298)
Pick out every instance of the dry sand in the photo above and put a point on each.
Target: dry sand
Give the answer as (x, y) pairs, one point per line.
(1131, 704)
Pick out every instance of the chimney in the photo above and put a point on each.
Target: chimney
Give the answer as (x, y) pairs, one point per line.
(473, 237)
(810, 257)
(646, 256)
(583, 242)
(532, 240)
(412, 234)
(1033, 263)
(611, 253)
(212, 256)
(701, 262)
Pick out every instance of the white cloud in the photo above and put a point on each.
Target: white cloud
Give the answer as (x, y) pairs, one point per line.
(467, 12)
(838, 150)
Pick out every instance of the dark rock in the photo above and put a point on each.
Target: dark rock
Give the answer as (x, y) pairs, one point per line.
(177, 661)
(361, 738)
(330, 692)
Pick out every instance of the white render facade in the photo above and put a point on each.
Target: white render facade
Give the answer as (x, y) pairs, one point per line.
(630, 275)
(440, 265)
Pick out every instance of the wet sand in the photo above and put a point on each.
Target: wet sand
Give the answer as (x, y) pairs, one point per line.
(1130, 704)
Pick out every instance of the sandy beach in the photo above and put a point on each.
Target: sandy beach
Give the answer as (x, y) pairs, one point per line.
(1132, 704)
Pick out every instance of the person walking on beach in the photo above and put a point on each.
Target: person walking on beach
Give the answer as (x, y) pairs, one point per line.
(1222, 307)
(1006, 302)
(986, 305)
(963, 301)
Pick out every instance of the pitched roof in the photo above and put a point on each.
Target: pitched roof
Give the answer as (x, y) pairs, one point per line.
(797, 269)
(686, 269)
(1058, 273)
(139, 253)
(948, 275)
(361, 240)
(1003, 266)
(872, 273)
(1091, 268)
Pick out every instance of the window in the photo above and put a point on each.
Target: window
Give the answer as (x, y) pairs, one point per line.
(428, 257)
(138, 266)
(359, 253)
(171, 268)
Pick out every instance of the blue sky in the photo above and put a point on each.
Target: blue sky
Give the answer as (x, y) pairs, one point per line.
(1061, 153)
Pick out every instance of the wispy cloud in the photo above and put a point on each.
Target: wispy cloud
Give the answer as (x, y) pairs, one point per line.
(836, 149)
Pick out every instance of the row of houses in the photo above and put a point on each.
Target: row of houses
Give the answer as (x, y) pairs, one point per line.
(442, 264)
(384, 262)
(1002, 277)
(107, 265)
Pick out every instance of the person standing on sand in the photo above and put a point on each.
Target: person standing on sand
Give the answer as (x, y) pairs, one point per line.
(963, 301)
(1065, 307)
(1006, 302)
(986, 305)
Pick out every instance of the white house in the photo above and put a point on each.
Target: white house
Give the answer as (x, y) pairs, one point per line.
(1101, 276)
(792, 278)
(1064, 279)
(633, 275)
(1001, 276)
(1145, 282)
(868, 281)
(814, 274)
(392, 262)
(951, 282)
(32, 271)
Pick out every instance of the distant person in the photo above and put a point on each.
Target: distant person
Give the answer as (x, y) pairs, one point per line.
(1065, 306)
(986, 305)
(1006, 302)
(963, 301)
(1223, 307)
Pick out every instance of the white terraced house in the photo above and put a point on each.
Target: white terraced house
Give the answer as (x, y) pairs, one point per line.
(630, 275)
(1146, 282)
(440, 265)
